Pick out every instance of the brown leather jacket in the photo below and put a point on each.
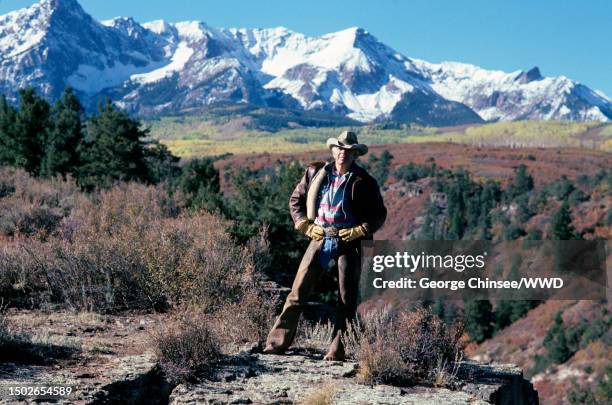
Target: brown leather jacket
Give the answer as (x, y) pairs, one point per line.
(368, 206)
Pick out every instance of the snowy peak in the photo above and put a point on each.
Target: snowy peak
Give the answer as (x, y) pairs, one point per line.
(63, 13)
(166, 67)
(62, 4)
(126, 25)
(23, 29)
(192, 30)
(529, 76)
(162, 28)
(497, 95)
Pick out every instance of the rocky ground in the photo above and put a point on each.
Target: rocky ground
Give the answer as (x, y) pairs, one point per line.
(302, 377)
(103, 358)
(111, 362)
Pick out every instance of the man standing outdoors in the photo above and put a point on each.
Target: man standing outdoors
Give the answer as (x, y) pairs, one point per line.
(337, 205)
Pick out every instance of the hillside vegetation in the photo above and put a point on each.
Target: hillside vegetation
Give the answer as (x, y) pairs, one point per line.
(208, 134)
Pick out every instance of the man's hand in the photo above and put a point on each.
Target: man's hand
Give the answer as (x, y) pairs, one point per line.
(353, 233)
(313, 231)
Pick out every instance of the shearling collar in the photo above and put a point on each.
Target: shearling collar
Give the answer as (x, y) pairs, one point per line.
(317, 182)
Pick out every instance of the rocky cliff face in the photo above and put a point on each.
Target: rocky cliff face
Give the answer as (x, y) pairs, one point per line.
(160, 67)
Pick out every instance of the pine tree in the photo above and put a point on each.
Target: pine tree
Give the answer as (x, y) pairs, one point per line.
(479, 320)
(604, 386)
(490, 195)
(199, 181)
(561, 224)
(450, 313)
(438, 308)
(522, 183)
(259, 198)
(474, 207)
(534, 234)
(513, 231)
(8, 128)
(520, 309)
(523, 213)
(32, 126)
(457, 205)
(430, 229)
(563, 188)
(379, 166)
(113, 149)
(65, 135)
(555, 341)
(161, 163)
(484, 228)
(503, 314)
(488, 199)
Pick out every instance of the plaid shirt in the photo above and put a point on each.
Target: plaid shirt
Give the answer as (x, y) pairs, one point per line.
(334, 208)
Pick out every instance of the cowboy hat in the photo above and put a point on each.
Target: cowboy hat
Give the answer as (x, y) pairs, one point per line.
(348, 140)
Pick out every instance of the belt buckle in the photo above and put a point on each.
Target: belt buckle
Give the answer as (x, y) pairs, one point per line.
(331, 232)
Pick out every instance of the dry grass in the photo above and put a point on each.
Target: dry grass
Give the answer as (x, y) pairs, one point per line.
(91, 318)
(445, 373)
(42, 348)
(405, 349)
(314, 336)
(323, 395)
(46, 338)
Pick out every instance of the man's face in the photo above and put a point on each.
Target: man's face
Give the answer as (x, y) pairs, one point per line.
(344, 157)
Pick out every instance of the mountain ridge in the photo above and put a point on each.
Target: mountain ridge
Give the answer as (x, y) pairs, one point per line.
(161, 67)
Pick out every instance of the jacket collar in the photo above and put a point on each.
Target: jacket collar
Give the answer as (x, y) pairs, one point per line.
(317, 182)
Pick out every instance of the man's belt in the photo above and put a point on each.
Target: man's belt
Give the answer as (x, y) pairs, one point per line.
(331, 232)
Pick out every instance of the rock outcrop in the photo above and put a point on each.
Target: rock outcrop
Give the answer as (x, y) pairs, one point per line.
(253, 378)
(250, 378)
(131, 379)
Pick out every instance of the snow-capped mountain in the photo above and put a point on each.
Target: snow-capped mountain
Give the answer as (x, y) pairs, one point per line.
(161, 67)
(54, 43)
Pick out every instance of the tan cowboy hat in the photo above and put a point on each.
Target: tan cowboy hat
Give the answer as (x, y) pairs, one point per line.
(348, 140)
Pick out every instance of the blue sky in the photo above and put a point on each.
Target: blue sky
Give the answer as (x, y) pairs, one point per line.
(561, 37)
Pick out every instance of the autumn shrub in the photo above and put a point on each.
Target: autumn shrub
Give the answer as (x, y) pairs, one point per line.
(246, 321)
(53, 192)
(186, 347)
(22, 283)
(129, 248)
(17, 219)
(405, 348)
(193, 259)
(30, 206)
